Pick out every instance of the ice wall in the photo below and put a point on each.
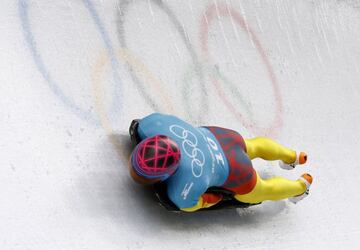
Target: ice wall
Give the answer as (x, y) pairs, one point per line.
(75, 73)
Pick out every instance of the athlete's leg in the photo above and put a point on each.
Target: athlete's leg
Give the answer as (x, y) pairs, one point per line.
(275, 188)
(268, 149)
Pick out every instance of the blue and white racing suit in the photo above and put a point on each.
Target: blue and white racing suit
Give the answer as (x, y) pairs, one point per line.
(202, 164)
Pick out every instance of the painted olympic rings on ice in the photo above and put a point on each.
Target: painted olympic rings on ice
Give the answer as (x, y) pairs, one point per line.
(85, 114)
(211, 13)
(99, 90)
(122, 11)
(214, 73)
(199, 70)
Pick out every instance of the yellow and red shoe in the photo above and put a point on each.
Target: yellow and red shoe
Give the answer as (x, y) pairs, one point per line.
(307, 179)
(301, 158)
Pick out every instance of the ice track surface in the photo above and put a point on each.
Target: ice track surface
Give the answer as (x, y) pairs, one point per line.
(75, 73)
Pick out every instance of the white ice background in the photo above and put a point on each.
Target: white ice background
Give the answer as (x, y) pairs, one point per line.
(73, 74)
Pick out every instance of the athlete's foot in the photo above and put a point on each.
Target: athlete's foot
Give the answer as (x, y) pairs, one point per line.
(300, 159)
(307, 179)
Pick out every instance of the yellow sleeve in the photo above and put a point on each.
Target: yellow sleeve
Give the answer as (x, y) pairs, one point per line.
(198, 206)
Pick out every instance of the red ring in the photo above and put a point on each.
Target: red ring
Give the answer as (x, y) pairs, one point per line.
(222, 10)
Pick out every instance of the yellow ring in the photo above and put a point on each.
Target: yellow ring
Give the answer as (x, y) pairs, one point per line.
(98, 87)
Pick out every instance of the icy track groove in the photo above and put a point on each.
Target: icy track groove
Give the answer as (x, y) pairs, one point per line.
(75, 73)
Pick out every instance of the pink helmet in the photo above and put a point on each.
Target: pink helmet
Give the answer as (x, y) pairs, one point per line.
(156, 157)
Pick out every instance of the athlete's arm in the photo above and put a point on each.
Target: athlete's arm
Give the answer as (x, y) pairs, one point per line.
(205, 201)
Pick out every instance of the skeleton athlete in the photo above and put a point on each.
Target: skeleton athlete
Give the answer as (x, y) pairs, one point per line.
(189, 160)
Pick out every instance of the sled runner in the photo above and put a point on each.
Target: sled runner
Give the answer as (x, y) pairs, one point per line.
(228, 201)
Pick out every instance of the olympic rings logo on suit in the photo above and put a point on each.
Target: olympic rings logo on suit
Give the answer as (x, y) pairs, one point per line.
(189, 145)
